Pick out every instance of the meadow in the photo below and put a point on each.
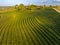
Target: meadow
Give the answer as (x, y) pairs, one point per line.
(26, 27)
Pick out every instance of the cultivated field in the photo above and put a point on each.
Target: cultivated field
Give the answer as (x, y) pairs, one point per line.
(38, 27)
(58, 7)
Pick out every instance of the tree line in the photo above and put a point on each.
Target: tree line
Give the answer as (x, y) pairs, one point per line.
(30, 7)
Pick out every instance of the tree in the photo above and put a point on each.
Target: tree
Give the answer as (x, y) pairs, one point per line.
(50, 6)
(21, 7)
(44, 6)
(32, 7)
(16, 6)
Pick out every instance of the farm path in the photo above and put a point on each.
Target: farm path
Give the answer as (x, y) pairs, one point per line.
(56, 10)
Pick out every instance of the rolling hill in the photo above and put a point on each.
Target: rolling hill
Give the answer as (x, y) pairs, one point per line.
(40, 27)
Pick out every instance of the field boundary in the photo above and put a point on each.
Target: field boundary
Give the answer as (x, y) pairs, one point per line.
(56, 10)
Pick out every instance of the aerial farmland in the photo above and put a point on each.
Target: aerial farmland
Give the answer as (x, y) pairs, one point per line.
(29, 25)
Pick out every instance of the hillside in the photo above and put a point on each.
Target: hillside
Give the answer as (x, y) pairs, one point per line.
(39, 27)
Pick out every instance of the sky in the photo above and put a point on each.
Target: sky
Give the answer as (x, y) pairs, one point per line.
(28, 2)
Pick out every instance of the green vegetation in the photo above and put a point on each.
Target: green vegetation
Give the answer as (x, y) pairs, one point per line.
(26, 27)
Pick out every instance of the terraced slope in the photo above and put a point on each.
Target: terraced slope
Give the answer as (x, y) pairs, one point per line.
(40, 27)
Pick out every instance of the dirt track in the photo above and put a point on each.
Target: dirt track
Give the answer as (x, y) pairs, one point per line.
(56, 10)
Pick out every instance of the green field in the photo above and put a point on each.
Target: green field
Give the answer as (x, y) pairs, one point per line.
(38, 27)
